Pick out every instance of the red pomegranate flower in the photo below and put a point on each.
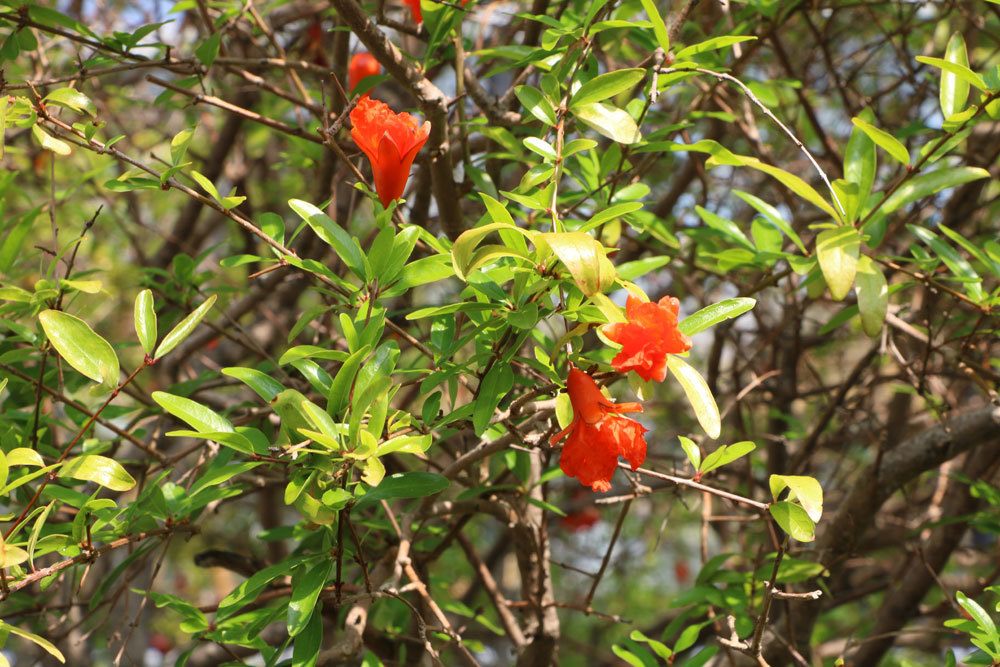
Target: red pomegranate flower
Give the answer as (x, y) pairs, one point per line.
(598, 435)
(414, 6)
(391, 141)
(362, 66)
(581, 520)
(647, 338)
(418, 16)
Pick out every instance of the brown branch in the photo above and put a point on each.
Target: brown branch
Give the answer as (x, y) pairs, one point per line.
(88, 556)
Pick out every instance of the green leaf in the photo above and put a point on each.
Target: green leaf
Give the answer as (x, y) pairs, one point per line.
(208, 50)
(610, 121)
(206, 185)
(692, 451)
(50, 143)
(925, 185)
(958, 265)
(536, 104)
(32, 637)
(790, 181)
(955, 84)
(11, 555)
(804, 489)
(978, 614)
(248, 590)
(603, 86)
(145, 320)
(771, 214)
(627, 656)
(100, 470)
(956, 77)
(725, 455)
(22, 456)
(838, 250)
(794, 521)
(262, 383)
(192, 413)
(306, 647)
(179, 146)
(698, 394)
(585, 258)
(640, 267)
(725, 226)
(405, 485)
(659, 27)
(406, 444)
(659, 648)
(498, 381)
(713, 44)
(71, 98)
(85, 286)
(36, 532)
(540, 147)
(332, 234)
(611, 213)
(466, 254)
(860, 164)
(873, 296)
(966, 245)
(340, 389)
(374, 471)
(709, 316)
(890, 144)
(82, 349)
(184, 328)
(307, 584)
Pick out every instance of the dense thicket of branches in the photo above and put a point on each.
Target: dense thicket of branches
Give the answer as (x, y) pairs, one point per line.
(507, 560)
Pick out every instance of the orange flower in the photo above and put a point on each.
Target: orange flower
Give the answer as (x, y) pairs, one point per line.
(647, 338)
(363, 65)
(598, 435)
(391, 141)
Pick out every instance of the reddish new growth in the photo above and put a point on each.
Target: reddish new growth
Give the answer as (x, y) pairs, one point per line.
(391, 141)
(647, 338)
(598, 434)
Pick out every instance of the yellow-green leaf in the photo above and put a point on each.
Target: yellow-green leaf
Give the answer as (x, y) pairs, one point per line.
(100, 470)
(838, 250)
(806, 490)
(606, 85)
(890, 144)
(145, 320)
(873, 296)
(585, 258)
(184, 328)
(794, 521)
(698, 394)
(80, 346)
(50, 143)
(612, 122)
(954, 91)
(32, 637)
